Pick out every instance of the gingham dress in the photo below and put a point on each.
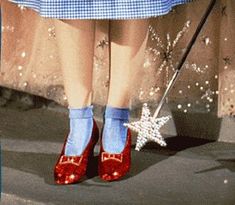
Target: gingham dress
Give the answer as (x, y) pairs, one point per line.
(100, 9)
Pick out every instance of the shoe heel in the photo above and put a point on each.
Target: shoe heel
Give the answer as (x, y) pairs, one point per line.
(92, 164)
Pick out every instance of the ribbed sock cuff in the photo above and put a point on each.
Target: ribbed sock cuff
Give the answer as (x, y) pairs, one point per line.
(85, 112)
(118, 113)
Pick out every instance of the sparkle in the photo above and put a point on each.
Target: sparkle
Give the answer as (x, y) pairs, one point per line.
(157, 89)
(196, 68)
(25, 84)
(8, 28)
(165, 52)
(179, 106)
(51, 32)
(20, 67)
(23, 54)
(148, 128)
(147, 63)
(206, 40)
(21, 7)
(102, 43)
(208, 95)
(115, 173)
(141, 94)
(227, 60)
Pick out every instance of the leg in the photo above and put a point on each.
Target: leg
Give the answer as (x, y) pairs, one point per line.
(128, 42)
(75, 39)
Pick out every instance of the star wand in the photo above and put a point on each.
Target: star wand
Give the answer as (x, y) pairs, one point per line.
(148, 127)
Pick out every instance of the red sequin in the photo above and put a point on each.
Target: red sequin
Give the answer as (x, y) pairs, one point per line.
(70, 169)
(113, 166)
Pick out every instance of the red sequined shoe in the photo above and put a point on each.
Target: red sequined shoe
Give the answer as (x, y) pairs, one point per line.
(114, 166)
(70, 169)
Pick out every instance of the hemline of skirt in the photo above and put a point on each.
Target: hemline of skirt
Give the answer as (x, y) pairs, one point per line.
(126, 17)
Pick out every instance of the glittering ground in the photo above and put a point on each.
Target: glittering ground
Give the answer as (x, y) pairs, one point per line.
(187, 171)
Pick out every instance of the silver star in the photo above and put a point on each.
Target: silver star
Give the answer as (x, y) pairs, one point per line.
(148, 128)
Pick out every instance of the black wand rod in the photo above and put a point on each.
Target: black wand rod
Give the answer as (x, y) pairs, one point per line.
(188, 49)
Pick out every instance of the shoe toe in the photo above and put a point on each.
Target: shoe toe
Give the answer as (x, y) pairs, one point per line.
(111, 176)
(65, 175)
(66, 179)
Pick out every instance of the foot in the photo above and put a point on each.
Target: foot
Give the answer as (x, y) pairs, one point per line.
(71, 169)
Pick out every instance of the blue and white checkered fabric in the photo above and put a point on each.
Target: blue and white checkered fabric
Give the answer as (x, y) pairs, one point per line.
(100, 9)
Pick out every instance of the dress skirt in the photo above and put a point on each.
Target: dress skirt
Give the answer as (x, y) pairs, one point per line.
(100, 9)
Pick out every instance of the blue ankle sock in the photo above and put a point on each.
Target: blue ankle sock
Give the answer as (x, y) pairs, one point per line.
(81, 125)
(114, 132)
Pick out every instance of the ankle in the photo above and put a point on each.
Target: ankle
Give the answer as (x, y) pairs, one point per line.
(84, 112)
(114, 132)
(116, 112)
(81, 125)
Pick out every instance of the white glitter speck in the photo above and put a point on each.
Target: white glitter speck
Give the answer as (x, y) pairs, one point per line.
(179, 106)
